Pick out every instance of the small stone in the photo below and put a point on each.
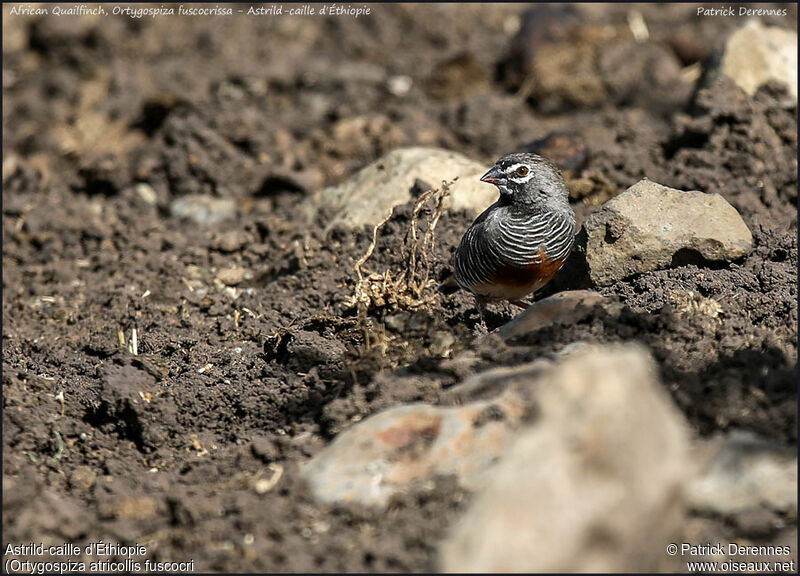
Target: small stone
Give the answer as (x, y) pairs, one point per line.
(651, 227)
(593, 485)
(747, 473)
(232, 241)
(399, 85)
(369, 196)
(756, 54)
(232, 276)
(146, 193)
(203, 209)
(565, 307)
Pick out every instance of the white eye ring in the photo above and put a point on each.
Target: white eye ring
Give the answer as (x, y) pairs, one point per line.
(513, 173)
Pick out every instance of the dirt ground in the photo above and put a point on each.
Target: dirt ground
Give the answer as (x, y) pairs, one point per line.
(249, 357)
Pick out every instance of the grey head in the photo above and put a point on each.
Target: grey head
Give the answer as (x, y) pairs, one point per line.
(527, 179)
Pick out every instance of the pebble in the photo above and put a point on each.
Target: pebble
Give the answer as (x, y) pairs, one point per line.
(651, 227)
(203, 208)
(232, 241)
(399, 85)
(565, 307)
(146, 193)
(232, 276)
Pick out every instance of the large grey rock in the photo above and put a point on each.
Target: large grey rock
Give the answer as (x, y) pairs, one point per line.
(595, 484)
(650, 227)
(746, 473)
(756, 54)
(369, 195)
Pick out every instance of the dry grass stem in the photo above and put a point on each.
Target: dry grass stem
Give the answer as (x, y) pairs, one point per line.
(409, 287)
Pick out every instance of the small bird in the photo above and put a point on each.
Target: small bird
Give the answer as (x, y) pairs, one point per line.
(519, 243)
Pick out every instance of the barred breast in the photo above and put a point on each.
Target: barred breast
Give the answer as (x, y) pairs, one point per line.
(508, 255)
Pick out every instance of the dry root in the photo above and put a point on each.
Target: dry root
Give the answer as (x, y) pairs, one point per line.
(410, 287)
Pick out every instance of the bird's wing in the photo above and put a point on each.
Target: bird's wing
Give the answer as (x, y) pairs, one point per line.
(476, 260)
(529, 239)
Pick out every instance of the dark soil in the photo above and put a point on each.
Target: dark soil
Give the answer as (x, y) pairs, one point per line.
(233, 384)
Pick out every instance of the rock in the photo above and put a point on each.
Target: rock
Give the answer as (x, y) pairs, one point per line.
(367, 197)
(203, 208)
(567, 307)
(745, 474)
(651, 227)
(381, 456)
(146, 193)
(756, 54)
(594, 485)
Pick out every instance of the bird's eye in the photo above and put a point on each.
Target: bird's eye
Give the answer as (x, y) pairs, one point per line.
(522, 171)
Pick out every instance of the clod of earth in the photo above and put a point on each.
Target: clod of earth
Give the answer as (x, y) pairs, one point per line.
(561, 61)
(651, 227)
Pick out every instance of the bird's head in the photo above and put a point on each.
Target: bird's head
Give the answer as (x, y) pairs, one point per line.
(527, 179)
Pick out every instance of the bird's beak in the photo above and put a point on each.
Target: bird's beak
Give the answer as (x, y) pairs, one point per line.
(493, 176)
